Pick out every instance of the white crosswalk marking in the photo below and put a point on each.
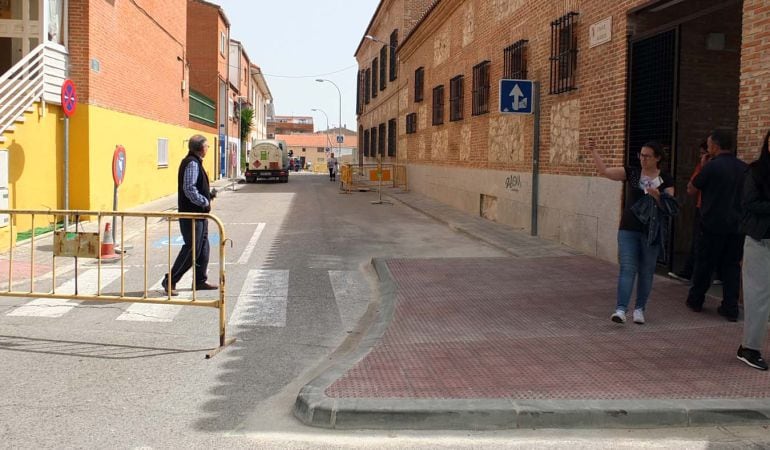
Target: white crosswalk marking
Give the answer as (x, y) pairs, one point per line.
(47, 307)
(145, 312)
(263, 299)
(351, 293)
(251, 245)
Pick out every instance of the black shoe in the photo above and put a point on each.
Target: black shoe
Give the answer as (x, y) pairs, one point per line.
(205, 287)
(693, 306)
(173, 292)
(752, 357)
(731, 317)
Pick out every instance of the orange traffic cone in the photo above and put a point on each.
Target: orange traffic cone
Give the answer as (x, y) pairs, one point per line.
(108, 245)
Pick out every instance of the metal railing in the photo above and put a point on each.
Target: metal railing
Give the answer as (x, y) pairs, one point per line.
(366, 177)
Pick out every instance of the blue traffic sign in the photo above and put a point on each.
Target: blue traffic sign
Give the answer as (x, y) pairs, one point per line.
(340, 139)
(516, 96)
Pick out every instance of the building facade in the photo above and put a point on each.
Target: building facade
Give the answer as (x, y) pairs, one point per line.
(289, 125)
(621, 73)
(261, 99)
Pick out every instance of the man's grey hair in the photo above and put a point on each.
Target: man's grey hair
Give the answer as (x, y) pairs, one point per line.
(195, 145)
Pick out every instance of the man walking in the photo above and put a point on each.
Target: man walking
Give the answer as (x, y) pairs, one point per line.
(194, 196)
(720, 241)
(332, 165)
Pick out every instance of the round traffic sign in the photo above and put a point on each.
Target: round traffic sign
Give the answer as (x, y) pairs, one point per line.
(119, 165)
(69, 97)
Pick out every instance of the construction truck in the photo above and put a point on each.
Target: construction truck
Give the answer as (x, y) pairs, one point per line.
(268, 160)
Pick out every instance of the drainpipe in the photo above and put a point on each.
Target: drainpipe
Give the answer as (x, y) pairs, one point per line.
(535, 155)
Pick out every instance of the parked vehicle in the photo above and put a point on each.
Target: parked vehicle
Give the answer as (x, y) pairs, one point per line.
(268, 160)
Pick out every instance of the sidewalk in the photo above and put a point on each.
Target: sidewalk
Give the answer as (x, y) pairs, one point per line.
(526, 342)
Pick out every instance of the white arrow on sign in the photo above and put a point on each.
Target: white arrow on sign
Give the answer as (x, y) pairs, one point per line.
(517, 95)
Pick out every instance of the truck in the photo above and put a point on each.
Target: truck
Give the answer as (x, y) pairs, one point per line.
(268, 160)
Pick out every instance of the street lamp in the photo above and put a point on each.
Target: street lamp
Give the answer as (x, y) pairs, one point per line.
(339, 144)
(328, 141)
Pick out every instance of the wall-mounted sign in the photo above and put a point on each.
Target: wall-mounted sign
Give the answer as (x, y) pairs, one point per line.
(600, 32)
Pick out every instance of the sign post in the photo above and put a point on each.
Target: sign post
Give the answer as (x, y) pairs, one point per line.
(523, 97)
(68, 102)
(118, 173)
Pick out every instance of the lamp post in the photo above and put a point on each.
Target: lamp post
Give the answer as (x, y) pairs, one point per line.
(339, 144)
(328, 141)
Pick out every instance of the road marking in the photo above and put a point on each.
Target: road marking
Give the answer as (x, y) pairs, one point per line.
(50, 307)
(252, 243)
(153, 312)
(263, 299)
(352, 294)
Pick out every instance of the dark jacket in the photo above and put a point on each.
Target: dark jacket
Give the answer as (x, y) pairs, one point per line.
(202, 184)
(756, 204)
(656, 217)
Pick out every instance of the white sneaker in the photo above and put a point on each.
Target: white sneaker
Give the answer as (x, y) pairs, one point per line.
(619, 316)
(638, 316)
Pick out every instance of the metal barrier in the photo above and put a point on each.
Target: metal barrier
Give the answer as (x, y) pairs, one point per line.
(366, 177)
(82, 244)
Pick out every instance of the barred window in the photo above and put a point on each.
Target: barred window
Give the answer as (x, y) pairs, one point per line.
(383, 67)
(373, 142)
(392, 124)
(393, 59)
(515, 57)
(381, 144)
(367, 81)
(456, 98)
(419, 84)
(438, 105)
(411, 123)
(563, 53)
(481, 88)
(366, 143)
(359, 97)
(375, 69)
(361, 149)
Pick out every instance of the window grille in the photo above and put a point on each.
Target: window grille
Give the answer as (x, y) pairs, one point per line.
(563, 53)
(367, 80)
(419, 84)
(438, 105)
(392, 124)
(411, 123)
(381, 144)
(515, 57)
(481, 88)
(373, 142)
(359, 97)
(375, 69)
(366, 143)
(383, 67)
(162, 152)
(393, 59)
(456, 98)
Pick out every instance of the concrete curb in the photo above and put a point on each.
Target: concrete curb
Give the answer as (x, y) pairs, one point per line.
(313, 407)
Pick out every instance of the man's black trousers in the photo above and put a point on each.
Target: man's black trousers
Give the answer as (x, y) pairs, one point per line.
(183, 261)
(722, 252)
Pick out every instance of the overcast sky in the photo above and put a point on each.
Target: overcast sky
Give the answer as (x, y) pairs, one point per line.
(297, 41)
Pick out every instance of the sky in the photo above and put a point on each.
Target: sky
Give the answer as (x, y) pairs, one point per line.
(297, 41)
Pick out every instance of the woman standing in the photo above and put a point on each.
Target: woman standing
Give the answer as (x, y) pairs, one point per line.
(636, 254)
(756, 259)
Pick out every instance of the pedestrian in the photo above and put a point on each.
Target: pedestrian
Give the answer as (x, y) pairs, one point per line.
(720, 240)
(637, 254)
(756, 259)
(193, 196)
(291, 165)
(331, 163)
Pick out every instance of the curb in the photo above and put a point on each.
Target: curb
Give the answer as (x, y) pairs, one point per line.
(313, 407)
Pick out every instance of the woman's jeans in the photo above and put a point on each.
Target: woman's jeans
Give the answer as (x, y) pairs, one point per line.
(756, 292)
(637, 260)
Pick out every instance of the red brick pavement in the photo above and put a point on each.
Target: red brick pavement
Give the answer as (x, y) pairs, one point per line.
(21, 270)
(540, 329)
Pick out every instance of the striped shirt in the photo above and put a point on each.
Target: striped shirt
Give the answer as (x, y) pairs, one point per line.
(189, 188)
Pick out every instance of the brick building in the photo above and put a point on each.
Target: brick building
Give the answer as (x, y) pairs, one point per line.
(622, 73)
(289, 125)
(315, 148)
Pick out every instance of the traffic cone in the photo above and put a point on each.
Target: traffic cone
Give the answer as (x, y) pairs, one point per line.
(108, 245)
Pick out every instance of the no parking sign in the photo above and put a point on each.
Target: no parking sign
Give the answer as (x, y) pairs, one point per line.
(69, 97)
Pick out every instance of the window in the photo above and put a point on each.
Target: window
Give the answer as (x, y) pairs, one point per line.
(411, 123)
(367, 80)
(374, 77)
(222, 43)
(320, 149)
(366, 143)
(481, 88)
(359, 96)
(383, 66)
(393, 59)
(162, 152)
(419, 82)
(381, 145)
(438, 105)
(563, 53)
(456, 98)
(392, 124)
(373, 142)
(515, 58)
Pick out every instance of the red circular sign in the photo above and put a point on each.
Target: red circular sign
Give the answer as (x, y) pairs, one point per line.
(119, 165)
(68, 97)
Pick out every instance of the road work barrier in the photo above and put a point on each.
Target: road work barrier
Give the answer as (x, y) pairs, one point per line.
(371, 177)
(50, 251)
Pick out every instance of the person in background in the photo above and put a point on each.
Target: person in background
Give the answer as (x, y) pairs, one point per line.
(756, 259)
(719, 240)
(331, 164)
(637, 255)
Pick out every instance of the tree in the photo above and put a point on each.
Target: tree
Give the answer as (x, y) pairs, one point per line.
(247, 114)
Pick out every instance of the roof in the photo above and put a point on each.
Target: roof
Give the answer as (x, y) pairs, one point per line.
(419, 22)
(256, 72)
(316, 140)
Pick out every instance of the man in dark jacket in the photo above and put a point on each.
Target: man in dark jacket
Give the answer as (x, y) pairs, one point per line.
(194, 196)
(720, 242)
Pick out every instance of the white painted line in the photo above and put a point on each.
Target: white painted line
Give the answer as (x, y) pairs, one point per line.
(146, 312)
(263, 299)
(252, 243)
(352, 294)
(52, 308)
